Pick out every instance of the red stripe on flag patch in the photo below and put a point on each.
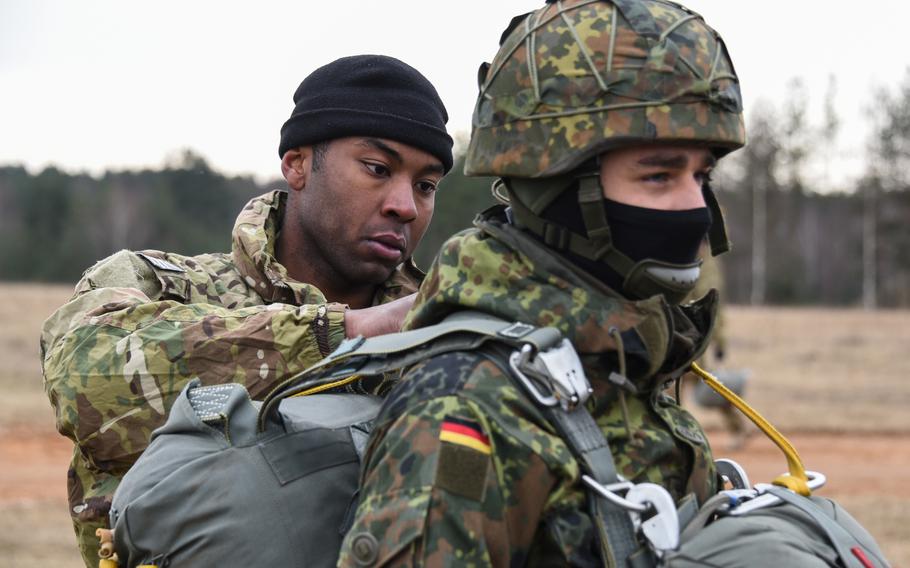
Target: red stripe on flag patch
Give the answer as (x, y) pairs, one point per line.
(465, 433)
(466, 430)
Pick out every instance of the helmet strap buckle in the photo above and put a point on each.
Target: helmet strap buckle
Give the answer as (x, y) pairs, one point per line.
(555, 236)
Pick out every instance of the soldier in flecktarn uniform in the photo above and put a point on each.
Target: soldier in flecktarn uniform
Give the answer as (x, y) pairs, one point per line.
(362, 153)
(603, 122)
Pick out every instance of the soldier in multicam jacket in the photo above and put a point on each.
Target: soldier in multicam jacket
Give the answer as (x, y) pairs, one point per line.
(603, 121)
(362, 154)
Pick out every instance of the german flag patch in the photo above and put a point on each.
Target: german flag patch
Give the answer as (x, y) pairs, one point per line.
(464, 433)
(464, 458)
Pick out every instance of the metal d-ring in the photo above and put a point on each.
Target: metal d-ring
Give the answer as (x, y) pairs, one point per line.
(520, 358)
(608, 493)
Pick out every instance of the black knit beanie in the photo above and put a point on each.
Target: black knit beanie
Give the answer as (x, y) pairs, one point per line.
(368, 95)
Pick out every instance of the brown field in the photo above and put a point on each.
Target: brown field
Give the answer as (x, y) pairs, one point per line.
(832, 380)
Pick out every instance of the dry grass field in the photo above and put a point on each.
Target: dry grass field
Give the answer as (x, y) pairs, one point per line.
(835, 381)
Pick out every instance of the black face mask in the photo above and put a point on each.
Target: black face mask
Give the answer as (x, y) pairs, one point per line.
(638, 232)
(668, 236)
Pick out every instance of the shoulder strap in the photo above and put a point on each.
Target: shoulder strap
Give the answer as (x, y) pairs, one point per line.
(359, 356)
(586, 441)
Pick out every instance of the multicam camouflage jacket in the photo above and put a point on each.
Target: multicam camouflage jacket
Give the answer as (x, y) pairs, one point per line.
(141, 325)
(462, 468)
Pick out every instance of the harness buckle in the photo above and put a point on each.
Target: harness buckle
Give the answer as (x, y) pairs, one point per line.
(558, 370)
(661, 529)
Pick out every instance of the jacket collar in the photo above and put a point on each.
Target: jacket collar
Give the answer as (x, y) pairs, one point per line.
(501, 270)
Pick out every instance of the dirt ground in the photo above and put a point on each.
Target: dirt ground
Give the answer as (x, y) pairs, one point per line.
(833, 381)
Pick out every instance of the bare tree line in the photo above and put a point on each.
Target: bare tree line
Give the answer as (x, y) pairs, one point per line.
(800, 236)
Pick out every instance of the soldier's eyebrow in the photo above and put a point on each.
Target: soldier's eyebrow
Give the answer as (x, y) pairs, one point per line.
(382, 147)
(434, 168)
(673, 160)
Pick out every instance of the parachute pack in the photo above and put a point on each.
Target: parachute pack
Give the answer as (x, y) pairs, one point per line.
(230, 481)
(214, 489)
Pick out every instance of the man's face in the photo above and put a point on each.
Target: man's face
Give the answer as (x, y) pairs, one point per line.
(661, 176)
(365, 206)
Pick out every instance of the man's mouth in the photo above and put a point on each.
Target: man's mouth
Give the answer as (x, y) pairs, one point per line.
(388, 246)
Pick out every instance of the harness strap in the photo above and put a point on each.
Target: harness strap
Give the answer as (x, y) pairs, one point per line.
(589, 445)
(577, 428)
(462, 331)
(844, 543)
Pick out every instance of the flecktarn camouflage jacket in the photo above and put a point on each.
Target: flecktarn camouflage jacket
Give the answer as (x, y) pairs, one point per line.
(142, 325)
(462, 469)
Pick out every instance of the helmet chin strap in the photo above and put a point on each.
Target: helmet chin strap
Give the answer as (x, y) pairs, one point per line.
(642, 279)
(717, 234)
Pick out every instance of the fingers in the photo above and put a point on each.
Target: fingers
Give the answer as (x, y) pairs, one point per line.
(378, 320)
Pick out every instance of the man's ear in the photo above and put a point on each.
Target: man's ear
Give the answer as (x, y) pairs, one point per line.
(295, 166)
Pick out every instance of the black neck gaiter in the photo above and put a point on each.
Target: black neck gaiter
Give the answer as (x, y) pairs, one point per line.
(637, 232)
(668, 236)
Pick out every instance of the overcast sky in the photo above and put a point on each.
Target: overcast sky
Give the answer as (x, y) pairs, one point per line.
(95, 84)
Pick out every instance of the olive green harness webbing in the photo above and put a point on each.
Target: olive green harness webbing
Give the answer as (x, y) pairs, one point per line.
(467, 331)
(584, 437)
(462, 331)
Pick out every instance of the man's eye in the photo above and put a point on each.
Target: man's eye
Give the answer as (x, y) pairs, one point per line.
(376, 169)
(659, 178)
(703, 177)
(426, 186)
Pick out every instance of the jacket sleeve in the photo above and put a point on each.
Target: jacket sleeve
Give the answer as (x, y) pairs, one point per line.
(116, 356)
(432, 493)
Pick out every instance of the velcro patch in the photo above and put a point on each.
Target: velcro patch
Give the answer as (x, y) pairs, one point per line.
(462, 471)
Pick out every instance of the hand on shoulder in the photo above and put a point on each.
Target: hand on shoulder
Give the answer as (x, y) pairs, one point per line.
(377, 320)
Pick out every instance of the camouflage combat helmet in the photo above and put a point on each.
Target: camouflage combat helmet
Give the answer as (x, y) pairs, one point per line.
(577, 78)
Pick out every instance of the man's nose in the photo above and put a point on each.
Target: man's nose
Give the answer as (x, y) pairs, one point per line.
(399, 201)
(690, 195)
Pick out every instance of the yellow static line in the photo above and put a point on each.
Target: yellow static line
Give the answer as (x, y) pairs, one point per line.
(328, 386)
(797, 479)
